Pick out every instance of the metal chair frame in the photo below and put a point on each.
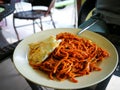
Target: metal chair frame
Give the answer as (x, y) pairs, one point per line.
(41, 15)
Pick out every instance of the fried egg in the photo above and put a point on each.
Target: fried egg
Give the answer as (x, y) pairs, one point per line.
(39, 51)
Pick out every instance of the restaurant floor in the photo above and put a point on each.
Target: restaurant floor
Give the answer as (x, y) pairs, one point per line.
(10, 79)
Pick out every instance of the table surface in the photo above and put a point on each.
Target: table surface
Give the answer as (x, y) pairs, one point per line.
(5, 10)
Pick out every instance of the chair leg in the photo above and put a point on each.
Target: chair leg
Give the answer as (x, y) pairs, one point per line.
(15, 29)
(41, 24)
(52, 21)
(33, 26)
(5, 22)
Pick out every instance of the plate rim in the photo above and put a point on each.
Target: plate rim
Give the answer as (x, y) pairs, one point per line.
(68, 29)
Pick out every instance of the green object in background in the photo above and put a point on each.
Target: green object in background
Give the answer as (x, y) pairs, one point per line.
(63, 3)
(1, 9)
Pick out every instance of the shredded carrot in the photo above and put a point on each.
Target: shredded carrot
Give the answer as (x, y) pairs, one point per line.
(74, 57)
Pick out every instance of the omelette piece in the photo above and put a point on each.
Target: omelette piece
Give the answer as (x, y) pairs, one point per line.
(39, 51)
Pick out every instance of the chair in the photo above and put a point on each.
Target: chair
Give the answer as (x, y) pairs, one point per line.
(34, 14)
(8, 9)
(85, 9)
(87, 16)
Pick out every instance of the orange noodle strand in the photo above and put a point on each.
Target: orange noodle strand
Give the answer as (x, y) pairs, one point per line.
(74, 57)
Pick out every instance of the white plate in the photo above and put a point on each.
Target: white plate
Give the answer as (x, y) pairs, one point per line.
(21, 61)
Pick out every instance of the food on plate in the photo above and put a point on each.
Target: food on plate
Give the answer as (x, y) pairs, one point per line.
(73, 57)
(39, 51)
